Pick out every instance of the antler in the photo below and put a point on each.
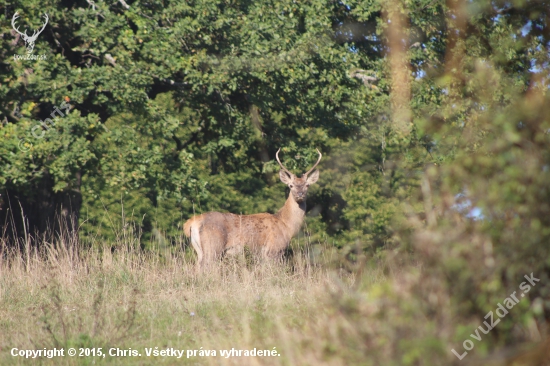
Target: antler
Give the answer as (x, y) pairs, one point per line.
(281, 164)
(318, 160)
(44, 26)
(37, 32)
(13, 19)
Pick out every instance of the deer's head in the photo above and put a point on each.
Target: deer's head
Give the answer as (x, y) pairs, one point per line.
(298, 186)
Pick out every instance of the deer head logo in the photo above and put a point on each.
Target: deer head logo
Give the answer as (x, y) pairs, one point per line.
(29, 40)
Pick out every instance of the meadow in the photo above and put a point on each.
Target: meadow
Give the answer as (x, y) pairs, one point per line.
(131, 304)
(130, 299)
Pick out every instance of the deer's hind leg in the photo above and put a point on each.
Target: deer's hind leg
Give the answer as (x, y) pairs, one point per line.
(213, 240)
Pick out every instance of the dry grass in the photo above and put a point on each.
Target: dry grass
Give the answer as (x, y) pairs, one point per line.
(393, 310)
(133, 299)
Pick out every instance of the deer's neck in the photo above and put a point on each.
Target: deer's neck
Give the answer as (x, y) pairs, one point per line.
(292, 214)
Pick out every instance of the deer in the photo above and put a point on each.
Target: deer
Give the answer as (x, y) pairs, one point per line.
(215, 234)
(29, 40)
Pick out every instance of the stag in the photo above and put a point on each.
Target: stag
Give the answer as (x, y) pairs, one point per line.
(29, 40)
(214, 234)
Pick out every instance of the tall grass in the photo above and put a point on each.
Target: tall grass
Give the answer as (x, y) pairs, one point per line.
(119, 296)
(388, 310)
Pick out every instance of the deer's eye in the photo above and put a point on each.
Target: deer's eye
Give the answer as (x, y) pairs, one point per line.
(291, 186)
(307, 185)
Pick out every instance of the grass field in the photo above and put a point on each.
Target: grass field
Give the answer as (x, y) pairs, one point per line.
(135, 300)
(131, 306)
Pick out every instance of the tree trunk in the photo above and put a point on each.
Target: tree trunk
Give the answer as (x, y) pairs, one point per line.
(43, 214)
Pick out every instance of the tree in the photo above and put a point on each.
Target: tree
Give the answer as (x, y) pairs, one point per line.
(166, 98)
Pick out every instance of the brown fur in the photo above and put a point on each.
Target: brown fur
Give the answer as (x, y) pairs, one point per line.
(187, 226)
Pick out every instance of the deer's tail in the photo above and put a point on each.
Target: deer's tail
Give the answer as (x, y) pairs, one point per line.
(191, 229)
(187, 227)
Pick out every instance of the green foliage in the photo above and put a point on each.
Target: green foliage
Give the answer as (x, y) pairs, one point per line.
(179, 108)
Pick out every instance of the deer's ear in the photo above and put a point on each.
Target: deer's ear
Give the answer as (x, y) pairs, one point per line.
(285, 177)
(313, 177)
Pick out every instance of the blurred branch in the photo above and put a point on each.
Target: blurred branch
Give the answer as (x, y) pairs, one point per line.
(176, 83)
(124, 4)
(13, 115)
(110, 59)
(397, 31)
(362, 75)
